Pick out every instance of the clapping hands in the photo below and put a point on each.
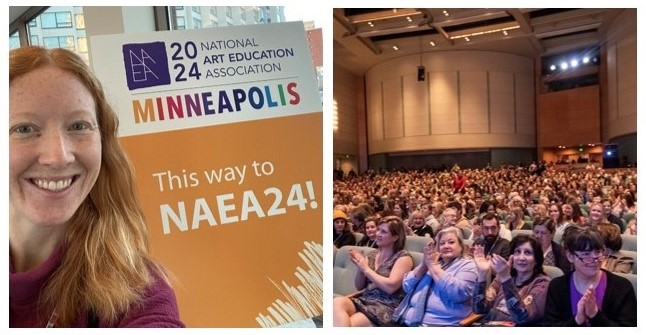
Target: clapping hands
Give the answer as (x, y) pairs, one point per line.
(359, 260)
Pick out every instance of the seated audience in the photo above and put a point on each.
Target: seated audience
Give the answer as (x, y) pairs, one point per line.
(380, 276)
(589, 296)
(490, 238)
(553, 253)
(517, 293)
(631, 227)
(342, 231)
(369, 238)
(418, 225)
(516, 219)
(438, 291)
(616, 261)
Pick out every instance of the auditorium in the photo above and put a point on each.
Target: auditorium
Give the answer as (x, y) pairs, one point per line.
(485, 166)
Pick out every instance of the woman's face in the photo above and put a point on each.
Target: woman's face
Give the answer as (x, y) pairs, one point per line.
(339, 225)
(587, 263)
(567, 209)
(543, 235)
(417, 221)
(371, 229)
(54, 146)
(553, 212)
(449, 246)
(397, 210)
(384, 237)
(596, 212)
(524, 261)
(491, 209)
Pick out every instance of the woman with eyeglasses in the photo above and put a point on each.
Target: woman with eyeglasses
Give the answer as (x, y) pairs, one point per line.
(589, 296)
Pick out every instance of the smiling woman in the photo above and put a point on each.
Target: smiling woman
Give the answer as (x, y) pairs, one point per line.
(77, 238)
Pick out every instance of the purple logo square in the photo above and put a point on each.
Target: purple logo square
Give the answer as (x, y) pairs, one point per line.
(146, 64)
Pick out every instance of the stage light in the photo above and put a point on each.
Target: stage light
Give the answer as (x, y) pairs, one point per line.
(574, 63)
(552, 67)
(564, 66)
(586, 60)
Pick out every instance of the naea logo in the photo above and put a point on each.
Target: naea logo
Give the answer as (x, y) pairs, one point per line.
(146, 64)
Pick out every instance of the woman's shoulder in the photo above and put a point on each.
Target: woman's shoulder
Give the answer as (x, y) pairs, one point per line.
(403, 253)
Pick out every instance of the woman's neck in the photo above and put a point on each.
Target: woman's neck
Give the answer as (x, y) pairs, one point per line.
(522, 277)
(582, 282)
(28, 251)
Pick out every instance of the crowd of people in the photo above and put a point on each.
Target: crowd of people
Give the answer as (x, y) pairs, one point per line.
(475, 264)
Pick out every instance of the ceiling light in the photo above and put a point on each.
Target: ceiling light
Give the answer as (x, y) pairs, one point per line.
(370, 24)
(564, 66)
(552, 67)
(432, 43)
(574, 63)
(409, 19)
(445, 13)
(395, 48)
(485, 32)
(586, 60)
(466, 38)
(504, 32)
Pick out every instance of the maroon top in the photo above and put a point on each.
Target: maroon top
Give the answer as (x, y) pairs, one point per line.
(158, 308)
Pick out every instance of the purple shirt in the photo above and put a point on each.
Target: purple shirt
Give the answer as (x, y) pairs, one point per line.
(157, 309)
(599, 291)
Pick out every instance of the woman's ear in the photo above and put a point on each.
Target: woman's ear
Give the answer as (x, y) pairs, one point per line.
(569, 256)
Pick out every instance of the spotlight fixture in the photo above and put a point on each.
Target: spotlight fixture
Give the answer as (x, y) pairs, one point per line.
(552, 67)
(446, 13)
(586, 60)
(395, 48)
(574, 63)
(432, 43)
(564, 66)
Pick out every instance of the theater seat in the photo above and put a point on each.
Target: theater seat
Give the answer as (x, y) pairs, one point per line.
(345, 271)
(631, 277)
(629, 242)
(416, 243)
(552, 271)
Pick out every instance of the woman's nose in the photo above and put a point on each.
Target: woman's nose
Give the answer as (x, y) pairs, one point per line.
(55, 149)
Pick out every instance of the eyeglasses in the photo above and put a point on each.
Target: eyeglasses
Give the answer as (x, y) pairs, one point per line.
(590, 258)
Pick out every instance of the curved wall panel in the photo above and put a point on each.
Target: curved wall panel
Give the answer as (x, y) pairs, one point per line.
(470, 100)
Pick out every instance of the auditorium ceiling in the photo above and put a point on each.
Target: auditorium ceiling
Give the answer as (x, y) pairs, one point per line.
(364, 37)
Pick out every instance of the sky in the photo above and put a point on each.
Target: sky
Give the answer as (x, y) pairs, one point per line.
(307, 12)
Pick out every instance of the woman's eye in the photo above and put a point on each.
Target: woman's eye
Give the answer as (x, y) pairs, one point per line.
(23, 129)
(81, 126)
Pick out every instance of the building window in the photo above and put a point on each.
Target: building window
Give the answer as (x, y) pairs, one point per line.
(214, 23)
(14, 41)
(56, 20)
(214, 10)
(33, 23)
(229, 13)
(179, 7)
(181, 23)
(34, 40)
(82, 44)
(197, 9)
(66, 42)
(80, 21)
(197, 23)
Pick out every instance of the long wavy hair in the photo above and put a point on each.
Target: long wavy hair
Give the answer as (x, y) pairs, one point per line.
(106, 266)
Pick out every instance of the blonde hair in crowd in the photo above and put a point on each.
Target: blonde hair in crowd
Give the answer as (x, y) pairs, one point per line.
(106, 266)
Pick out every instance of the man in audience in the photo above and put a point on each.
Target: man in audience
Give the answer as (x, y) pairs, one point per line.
(490, 238)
